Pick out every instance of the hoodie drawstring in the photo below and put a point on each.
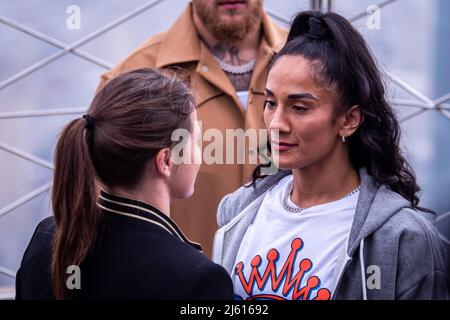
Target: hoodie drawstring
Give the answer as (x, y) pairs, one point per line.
(363, 272)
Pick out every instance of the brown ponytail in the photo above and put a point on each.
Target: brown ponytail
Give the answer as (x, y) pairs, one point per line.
(74, 203)
(131, 118)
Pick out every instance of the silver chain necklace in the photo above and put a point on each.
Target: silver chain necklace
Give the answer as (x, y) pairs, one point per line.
(242, 69)
(296, 209)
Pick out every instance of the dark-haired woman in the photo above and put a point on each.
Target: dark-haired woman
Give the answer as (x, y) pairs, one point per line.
(342, 220)
(123, 244)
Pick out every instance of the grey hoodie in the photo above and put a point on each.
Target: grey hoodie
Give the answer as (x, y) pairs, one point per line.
(393, 251)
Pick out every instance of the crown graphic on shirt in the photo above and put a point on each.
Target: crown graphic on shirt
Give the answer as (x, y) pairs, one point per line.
(285, 278)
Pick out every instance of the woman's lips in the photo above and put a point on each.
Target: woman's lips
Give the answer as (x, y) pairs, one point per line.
(283, 146)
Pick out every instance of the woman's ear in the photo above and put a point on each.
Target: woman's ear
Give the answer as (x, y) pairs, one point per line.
(350, 121)
(163, 162)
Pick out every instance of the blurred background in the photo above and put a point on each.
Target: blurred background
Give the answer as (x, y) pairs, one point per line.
(49, 70)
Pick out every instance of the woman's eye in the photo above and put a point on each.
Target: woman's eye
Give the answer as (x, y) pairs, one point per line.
(269, 104)
(300, 108)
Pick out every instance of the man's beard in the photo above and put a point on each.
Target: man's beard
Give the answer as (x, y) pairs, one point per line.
(225, 30)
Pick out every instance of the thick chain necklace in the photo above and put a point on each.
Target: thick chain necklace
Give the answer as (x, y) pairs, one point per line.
(296, 209)
(242, 69)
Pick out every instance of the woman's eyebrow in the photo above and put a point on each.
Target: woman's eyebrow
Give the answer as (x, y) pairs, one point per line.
(293, 96)
(267, 92)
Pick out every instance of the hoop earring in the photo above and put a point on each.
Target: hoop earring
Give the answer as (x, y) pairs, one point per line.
(343, 139)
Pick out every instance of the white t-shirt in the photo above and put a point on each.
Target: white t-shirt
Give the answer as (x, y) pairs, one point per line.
(292, 256)
(243, 95)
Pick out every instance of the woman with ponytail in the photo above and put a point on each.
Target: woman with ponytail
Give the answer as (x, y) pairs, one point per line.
(121, 243)
(341, 219)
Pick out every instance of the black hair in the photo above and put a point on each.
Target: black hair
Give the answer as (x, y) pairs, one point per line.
(342, 61)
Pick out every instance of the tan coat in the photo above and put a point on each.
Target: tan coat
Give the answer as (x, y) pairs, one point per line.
(218, 107)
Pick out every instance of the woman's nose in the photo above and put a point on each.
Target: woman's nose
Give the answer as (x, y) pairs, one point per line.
(279, 121)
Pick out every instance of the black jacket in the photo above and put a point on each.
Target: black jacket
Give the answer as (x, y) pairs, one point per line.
(140, 254)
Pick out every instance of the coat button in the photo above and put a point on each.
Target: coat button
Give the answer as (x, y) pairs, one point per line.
(205, 68)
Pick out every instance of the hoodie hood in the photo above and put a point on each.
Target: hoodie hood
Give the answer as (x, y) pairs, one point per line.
(372, 209)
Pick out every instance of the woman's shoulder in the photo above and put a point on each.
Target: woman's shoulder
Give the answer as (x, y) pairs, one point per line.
(187, 272)
(47, 226)
(42, 237)
(417, 236)
(33, 276)
(414, 221)
(422, 254)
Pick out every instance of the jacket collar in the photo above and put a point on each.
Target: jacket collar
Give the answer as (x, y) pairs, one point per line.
(181, 43)
(142, 211)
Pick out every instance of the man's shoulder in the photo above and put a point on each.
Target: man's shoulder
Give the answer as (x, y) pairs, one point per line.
(151, 45)
(144, 56)
(280, 32)
(148, 49)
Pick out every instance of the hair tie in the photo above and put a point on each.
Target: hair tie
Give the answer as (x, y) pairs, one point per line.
(89, 121)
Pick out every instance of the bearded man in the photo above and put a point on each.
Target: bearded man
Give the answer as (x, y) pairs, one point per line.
(225, 47)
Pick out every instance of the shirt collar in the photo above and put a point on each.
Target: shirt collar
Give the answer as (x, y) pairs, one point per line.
(142, 211)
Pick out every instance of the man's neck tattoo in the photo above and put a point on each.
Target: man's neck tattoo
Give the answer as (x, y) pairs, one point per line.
(230, 55)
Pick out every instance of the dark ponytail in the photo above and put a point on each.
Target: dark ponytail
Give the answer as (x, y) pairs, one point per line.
(310, 25)
(74, 203)
(128, 121)
(342, 62)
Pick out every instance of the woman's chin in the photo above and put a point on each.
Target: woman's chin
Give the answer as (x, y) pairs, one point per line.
(287, 164)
